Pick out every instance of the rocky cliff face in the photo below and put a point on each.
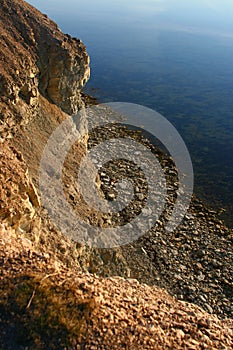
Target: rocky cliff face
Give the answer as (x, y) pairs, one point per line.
(18, 196)
(42, 72)
(37, 59)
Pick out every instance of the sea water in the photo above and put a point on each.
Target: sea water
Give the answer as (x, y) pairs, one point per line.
(173, 56)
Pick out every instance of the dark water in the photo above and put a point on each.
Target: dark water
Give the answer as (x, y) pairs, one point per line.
(174, 56)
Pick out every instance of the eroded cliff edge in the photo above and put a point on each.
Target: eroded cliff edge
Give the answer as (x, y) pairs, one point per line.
(42, 72)
(37, 59)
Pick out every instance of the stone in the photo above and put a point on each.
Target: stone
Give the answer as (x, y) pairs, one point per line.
(57, 67)
(209, 308)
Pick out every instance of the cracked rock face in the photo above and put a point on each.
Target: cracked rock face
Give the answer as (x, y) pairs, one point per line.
(36, 58)
(19, 200)
(66, 74)
(42, 72)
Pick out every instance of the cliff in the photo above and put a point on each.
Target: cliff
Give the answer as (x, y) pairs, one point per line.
(37, 59)
(51, 293)
(42, 72)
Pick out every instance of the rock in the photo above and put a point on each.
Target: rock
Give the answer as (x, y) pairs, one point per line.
(38, 59)
(209, 308)
(19, 196)
(111, 196)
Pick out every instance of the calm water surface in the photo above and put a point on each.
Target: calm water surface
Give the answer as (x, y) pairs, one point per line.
(174, 56)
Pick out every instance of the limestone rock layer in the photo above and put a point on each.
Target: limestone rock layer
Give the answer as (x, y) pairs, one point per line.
(37, 58)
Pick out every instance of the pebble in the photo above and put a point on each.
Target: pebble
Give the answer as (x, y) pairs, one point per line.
(209, 308)
(202, 298)
(195, 260)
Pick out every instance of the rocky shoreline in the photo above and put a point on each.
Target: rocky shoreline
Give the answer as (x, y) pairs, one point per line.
(195, 262)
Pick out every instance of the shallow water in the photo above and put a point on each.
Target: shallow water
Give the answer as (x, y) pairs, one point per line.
(173, 56)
